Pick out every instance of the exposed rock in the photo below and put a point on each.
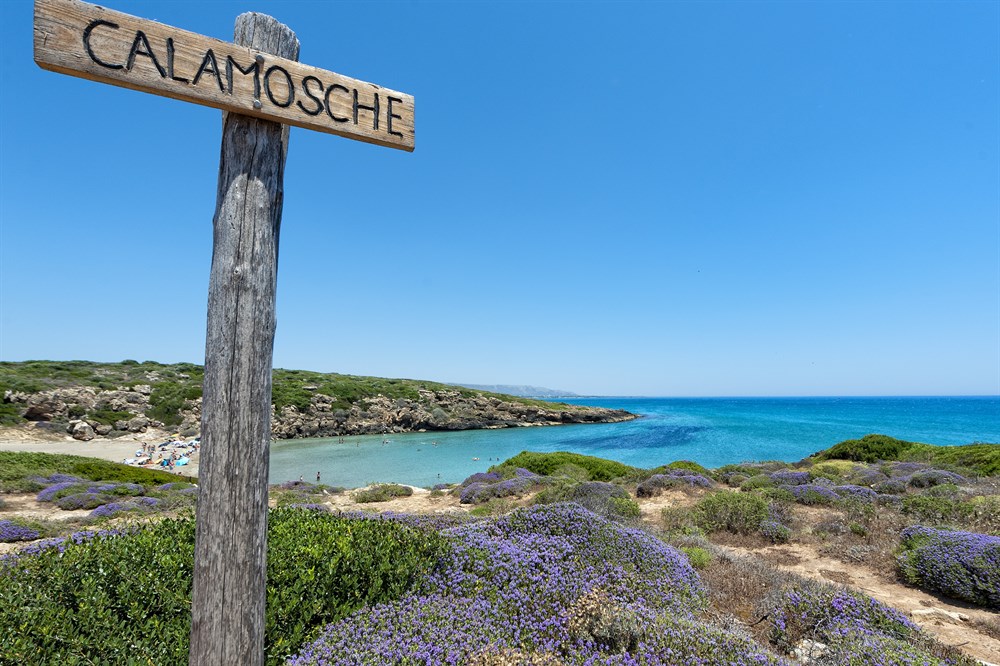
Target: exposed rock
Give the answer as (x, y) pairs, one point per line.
(82, 431)
(807, 651)
(121, 425)
(103, 429)
(42, 408)
(138, 424)
(935, 613)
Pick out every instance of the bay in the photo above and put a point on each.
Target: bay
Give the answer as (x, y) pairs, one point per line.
(710, 431)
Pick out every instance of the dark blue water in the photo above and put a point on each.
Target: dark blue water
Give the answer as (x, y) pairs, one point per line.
(711, 431)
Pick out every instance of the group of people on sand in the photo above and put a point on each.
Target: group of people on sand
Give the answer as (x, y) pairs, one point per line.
(169, 455)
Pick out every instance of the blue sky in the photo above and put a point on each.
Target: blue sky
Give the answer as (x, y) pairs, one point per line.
(676, 198)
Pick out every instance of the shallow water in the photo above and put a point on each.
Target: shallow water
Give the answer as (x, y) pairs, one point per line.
(711, 431)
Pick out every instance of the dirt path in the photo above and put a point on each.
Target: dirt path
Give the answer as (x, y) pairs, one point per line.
(938, 616)
(420, 502)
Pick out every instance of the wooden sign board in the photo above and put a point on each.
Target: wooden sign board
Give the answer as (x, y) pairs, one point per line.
(92, 42)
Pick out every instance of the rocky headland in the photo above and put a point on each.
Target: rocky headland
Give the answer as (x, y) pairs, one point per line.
(121, 399)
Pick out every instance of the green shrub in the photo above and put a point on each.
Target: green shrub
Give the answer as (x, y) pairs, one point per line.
(756, 482)
(981, 459)
(570, 471)
(625, 508)
(777, 494)
(382, 492)
(684, 464)
(932, 510)
(558, 489)
(834, 470)
(10, 414)
(126, 599)
(697, 556)
(869, 448)
(740, 513)
(734, 475)
(546, 463)
(169, 398)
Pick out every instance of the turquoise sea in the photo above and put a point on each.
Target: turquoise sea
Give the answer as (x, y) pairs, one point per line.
(711, 431)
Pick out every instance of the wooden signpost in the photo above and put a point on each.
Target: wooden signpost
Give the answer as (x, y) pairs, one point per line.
(262, 89)
(95, 43)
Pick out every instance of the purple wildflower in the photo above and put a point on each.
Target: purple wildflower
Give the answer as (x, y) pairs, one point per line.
(11, 531)
(965, 565)
(789, 477)
(812, 493)
(859, 493)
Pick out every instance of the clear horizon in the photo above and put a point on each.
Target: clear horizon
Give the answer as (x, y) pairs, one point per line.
(753, 199)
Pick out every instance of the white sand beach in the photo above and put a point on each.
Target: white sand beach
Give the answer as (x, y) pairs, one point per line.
(115, 450)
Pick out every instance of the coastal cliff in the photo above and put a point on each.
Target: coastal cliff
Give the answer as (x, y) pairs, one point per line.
(88, 400)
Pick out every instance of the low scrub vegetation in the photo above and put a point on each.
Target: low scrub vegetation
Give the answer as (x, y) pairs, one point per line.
(545, 464)
(550, 568)
(125, 597)
(964, 565)
(382, 492)
(978, 459)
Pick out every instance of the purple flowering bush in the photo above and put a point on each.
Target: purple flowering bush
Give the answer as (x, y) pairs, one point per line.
(125, 489)
(965, 565)
(59, 544)
(790, 477)
(14, 531)
(870, 477)
(890, 487)
(829, 614)
(900, 469)
(935, 477)
(478, 492)
(56, 490)
(482, 477)
(774, 531)
(85, 500)
(138, 504)
(607, 500)
(675, 478)
(856, 493)
(812, 493)
(548, 582)
(873, 649)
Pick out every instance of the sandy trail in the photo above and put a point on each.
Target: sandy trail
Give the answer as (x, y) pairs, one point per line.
(805, 561)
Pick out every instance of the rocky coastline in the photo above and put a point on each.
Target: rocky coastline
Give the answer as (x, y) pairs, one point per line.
(87, 413)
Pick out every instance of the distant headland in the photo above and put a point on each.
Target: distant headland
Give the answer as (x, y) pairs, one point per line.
(90, 400)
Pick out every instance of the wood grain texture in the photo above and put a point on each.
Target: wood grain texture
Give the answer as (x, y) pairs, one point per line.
(99, 44)
(228, 599)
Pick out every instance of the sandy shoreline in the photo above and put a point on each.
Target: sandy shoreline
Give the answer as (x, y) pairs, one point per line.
(115, 450)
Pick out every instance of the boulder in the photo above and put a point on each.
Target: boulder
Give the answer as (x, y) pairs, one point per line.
(102, 429)
(138, 424)
(82, 431)
(121, 425)
(42, 407)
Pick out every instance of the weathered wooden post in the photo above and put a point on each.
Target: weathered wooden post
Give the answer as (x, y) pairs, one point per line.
(227, 606)
(262, 89)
